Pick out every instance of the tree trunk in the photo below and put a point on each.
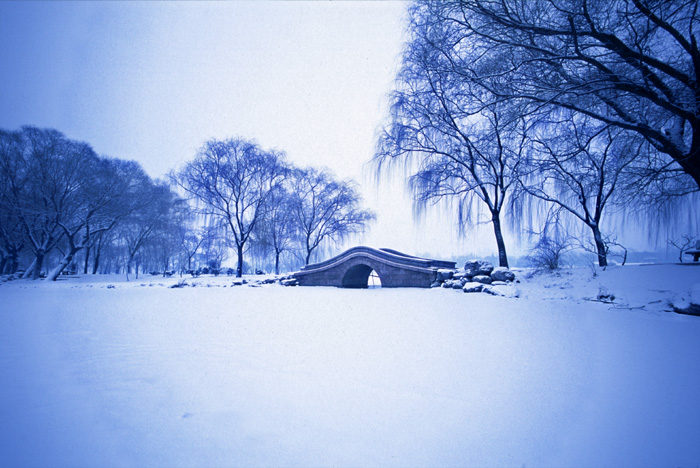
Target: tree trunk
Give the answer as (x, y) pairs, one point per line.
(65, 261)
(3, 264)
(28, 272)
(599, 245)
(96, 262)
(129, 262)
(38, 263)
(239, 270)
(691, 164)
(87, 260)
(277, 262)
(502, 256)
(308, 256)
(14, 262)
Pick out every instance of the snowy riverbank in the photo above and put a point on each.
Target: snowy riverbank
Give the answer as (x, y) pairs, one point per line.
(98, 371)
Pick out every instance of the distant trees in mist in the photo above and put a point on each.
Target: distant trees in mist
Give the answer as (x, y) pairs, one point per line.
(523, 106)
(63, 208)
(267, 205)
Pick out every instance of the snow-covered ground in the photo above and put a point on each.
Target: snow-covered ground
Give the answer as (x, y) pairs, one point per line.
(100, 372)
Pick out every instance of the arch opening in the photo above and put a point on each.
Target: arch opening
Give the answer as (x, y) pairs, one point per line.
(374, 281)
(361, 277)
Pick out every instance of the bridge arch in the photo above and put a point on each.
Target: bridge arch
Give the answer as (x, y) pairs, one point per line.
(357, 276)
(352, 268)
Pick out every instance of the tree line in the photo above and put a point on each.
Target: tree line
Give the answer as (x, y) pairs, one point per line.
(64, 208)
(548, 109)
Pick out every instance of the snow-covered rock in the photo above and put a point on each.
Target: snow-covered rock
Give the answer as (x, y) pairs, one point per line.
(502, 274)
(472, 287)
(483, 279)
(289, 282)
(454, 284)
(477, 267)
(444, 274)
(695, 294)
(504, 290)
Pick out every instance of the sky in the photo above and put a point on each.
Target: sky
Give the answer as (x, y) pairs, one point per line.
(152, 81)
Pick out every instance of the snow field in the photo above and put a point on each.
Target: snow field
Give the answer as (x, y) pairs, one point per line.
(272, 376)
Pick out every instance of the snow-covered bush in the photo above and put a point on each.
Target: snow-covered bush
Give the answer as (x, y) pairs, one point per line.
(688, 303)
(549, 253)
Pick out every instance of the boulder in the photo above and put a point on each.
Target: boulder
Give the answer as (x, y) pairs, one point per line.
(289, 282)
(477, 267)
(502, 274)
(444, 275)
(502, 290)
(452, 284)
(472, 287)
(435, 284)
(483, 279)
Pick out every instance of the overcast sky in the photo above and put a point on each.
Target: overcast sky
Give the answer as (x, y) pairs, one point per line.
(152, 81)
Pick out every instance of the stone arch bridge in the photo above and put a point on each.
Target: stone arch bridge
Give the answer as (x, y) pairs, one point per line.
(352, 268)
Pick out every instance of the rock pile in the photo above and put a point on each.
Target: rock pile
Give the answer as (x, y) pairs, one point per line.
(289, 280)
(477, 276)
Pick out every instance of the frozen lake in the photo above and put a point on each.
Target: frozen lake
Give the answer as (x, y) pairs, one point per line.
(210, 376)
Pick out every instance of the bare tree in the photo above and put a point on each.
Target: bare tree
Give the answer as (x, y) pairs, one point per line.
(232, 180)
(682, 244)
(106, 196)
(155, 208)
(12, 237)
(326, 209)
(552, 244)
(47, 188)
(191, 240)
(458, 144)
(630, 64)
(277, 232)
(122, 193)
(582, 167)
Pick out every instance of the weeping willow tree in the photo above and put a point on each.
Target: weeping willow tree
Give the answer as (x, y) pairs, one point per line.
(584, 168)
(325, 209)
(457, 145)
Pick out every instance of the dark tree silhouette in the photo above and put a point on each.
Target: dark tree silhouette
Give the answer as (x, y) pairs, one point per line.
(631, 64)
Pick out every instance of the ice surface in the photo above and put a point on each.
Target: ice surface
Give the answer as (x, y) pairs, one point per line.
(142, 375)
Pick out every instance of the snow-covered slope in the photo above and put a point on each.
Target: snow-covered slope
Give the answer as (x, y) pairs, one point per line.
(100, 372)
